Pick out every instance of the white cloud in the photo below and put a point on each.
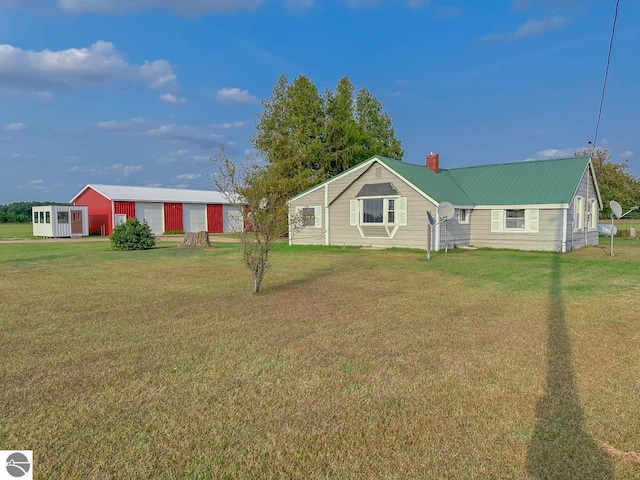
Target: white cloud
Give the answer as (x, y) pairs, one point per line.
(237, 96)
(170, 98)
(555, 153)
(118, 169)
(627, 154)
(188, 176)
(36, 182)
(529, 29)
(201, 136)
(76, 68)
(23, 156)
(15, 127)
(538, 27)
(227, 125)
(113, 125)
(187, 7)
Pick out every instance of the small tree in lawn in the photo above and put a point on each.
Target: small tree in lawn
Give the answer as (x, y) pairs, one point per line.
(264, 213)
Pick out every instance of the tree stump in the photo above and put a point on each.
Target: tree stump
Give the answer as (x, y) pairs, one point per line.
(196, 239)
(632, 232)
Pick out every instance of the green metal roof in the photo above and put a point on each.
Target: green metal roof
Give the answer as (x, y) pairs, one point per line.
(436, 185)
(531, 182)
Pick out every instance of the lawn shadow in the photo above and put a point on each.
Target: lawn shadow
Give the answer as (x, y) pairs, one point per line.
(561, 447)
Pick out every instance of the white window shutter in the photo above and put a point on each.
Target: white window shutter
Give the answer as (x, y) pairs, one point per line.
(355, 212)
(318, 217)
(532, 220)
(496, 220)
(401, 211)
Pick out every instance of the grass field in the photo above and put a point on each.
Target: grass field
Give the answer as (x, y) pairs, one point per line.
(16, 230)
(351, 363)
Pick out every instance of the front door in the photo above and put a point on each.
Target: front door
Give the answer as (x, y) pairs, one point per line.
(76, 222)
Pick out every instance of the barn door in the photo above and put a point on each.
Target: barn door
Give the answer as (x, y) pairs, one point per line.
(76, 222)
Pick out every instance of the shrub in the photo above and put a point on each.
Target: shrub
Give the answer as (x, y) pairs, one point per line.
(133, 235)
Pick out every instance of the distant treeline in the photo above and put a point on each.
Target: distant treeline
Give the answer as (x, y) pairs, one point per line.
(20, 212)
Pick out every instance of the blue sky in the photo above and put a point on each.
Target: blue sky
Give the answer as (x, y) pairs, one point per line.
(143, 92)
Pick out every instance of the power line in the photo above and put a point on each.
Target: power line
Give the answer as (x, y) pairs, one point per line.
(606, 72)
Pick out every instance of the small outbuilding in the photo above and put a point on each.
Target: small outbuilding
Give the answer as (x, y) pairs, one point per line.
(58, 221)
(164, 209)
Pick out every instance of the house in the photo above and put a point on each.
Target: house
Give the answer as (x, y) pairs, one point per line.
(56, 221)
(532, 205)
(164, 209)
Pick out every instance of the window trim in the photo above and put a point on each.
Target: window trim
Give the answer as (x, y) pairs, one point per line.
(467, 212)
(498, 220)
(356, 216)
(317, 215)
(593, 214)
(578, 213)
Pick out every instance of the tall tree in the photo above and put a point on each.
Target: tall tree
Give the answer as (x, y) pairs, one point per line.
(616, 180)
(344, 138)
(305, 138)
(379, 136)
(289, 135)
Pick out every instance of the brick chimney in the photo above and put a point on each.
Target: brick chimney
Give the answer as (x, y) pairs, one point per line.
(433, 162)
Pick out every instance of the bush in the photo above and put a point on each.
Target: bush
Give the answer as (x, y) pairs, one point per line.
(133, 235)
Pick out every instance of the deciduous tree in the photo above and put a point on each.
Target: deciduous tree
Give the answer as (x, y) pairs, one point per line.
(615, 180)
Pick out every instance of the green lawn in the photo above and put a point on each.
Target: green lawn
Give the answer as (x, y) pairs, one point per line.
(16, 230)
(351, 364)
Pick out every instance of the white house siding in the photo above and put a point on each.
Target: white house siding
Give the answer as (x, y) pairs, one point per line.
(194, 217)
(413, 235)
(153, 214)
(455, 234)
(548, 237)
(577, 238)
(311, 235)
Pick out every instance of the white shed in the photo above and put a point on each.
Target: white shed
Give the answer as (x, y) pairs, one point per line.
(56, 221)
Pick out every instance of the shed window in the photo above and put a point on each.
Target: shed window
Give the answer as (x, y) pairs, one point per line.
(35, 217)
(463, 215)
(63, 217)
(41, 217)
(47, 217)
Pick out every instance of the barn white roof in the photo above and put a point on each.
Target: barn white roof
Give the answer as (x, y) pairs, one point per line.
(153, 194)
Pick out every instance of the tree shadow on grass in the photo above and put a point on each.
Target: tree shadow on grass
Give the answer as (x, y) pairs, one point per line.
(561, 447)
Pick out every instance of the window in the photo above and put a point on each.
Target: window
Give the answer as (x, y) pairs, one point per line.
(514, 220)
(311, 217)
(372, 210)
(41, 217)
(391, 211)
(578, 214)
(35, 217)
(63, 217)
(462, 214)
(378, 217)
(48, 217)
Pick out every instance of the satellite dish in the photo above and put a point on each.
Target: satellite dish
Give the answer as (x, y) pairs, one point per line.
(615, 208)
(431, 220)
(446, 211)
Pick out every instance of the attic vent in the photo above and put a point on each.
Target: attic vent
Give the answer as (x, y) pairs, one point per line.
(377, 190)
(378, 172)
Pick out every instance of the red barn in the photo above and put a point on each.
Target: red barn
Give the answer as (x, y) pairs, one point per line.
(164, 209)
